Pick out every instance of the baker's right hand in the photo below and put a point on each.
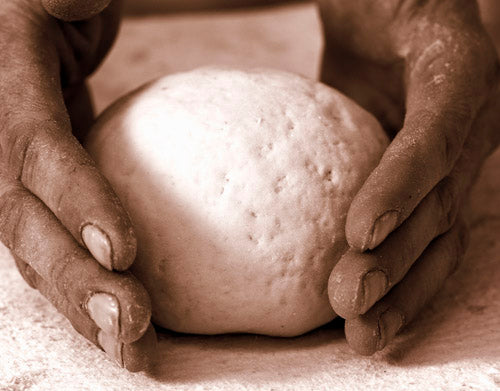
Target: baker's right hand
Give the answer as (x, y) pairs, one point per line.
(67, 230)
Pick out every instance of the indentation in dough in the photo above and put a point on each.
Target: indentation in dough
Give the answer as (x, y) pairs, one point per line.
(328, 175)
(310, 166)
(253, 239)
(265, 149)
(279, 184)
(225, 180)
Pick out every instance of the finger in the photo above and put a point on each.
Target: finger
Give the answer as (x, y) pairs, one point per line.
(358, 280)
(76, 315)
(117, 303)
(446, 87)
(140, 355)
(135, 356)
(41, 152)
(372, 331)
(72, 10)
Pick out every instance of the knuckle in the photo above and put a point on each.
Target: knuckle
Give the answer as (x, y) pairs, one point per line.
(15, 142)
(60, 274)
(15, 210)
(451, 145)
(27, 146)
(39, 147)
(76, 315)
(59, 301)
(447, 194)
(31, 151)
(436, 138)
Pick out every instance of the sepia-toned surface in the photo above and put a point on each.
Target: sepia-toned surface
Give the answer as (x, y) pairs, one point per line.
(454, 345)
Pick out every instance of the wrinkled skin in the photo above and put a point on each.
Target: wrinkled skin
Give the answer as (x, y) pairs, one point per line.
(425, 69)
(428, 72)
(50, 190)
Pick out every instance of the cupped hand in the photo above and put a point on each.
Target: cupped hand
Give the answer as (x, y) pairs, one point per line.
(68, 232)
(428, 72)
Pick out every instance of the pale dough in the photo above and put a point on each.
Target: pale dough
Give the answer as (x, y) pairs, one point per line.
(238, 184)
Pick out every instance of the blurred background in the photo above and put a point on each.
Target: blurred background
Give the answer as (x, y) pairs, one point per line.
(148, 6)
(159, 37)
(153, 43)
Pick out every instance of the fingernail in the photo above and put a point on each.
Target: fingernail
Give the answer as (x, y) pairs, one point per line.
(98, 244)
(374, 286)
(382, 227)
(389, 324)
(111, 346)
(104, 310)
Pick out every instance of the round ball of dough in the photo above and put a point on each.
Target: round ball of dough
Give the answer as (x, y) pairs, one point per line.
(238, 185)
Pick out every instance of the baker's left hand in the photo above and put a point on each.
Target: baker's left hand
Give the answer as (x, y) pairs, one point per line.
(428, 72)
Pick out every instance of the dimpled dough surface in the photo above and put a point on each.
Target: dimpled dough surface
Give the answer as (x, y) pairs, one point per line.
(238, 185)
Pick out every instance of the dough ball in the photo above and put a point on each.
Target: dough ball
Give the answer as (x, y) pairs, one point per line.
(238, 185)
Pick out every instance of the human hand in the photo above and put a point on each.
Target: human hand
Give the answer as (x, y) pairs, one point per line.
(54, 204)
(428, 72)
